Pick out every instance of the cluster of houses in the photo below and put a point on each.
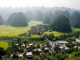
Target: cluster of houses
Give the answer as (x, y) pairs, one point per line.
(59, 45)
(38, 29)
(31, 50)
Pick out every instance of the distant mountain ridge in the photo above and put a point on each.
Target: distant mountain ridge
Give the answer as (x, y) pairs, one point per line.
(7, 11)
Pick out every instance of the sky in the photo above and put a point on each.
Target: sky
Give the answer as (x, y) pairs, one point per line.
(47, 3)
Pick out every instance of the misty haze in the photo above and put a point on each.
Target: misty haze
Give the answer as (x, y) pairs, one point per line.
(39, 29)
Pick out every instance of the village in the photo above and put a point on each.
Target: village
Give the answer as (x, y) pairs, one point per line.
(31, 49)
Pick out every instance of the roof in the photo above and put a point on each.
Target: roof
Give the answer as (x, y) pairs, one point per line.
(66, 48)
(61, 47)
(46, 48)
(20, 55)
(30, 44)
(61, 42)
(39, 49)
(29, 53)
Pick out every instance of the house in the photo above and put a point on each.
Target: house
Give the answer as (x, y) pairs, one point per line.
(61, 42)
(36, 52)
(46, 49)
(56, 49)
(29, 55)
(30, 47)
(20, 55)
(66, 48)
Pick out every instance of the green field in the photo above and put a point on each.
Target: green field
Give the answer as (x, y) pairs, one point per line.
(55, 33)
(4, 44)
(15, 31)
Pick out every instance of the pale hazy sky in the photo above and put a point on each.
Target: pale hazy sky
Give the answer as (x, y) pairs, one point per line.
(47, 3)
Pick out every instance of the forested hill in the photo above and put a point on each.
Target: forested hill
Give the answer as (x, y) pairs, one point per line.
(31, 11)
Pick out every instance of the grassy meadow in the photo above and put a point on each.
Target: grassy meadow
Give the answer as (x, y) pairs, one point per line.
(4, 44)
(15, 31)
(54, 32)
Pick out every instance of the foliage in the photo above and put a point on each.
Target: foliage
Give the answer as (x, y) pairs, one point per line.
(36, 58)
(2, 52)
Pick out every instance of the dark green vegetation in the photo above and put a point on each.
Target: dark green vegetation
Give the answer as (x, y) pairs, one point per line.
(2, 52)
(61, 24)
(75, 20)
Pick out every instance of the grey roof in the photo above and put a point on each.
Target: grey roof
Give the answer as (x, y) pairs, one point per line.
(29, 53)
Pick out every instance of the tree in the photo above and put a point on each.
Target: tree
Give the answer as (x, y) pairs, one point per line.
(75, 20)
(1, 20)
(61, 24)
(36, 58)
(2, 52)
(46, 20)
(20, 20)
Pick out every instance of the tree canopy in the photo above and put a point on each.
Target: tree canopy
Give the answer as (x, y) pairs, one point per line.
(61, 24)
